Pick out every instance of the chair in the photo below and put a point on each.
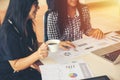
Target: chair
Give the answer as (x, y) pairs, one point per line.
(50, 4)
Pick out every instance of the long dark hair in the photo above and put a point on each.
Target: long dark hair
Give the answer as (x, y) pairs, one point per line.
(61, 8)
(18, 12)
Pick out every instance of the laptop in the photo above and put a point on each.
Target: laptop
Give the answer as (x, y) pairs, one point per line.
(110, 53)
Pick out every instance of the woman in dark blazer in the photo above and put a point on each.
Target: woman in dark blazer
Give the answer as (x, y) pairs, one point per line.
(19, 49)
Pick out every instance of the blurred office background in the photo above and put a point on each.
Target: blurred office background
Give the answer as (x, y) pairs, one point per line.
(105, 14)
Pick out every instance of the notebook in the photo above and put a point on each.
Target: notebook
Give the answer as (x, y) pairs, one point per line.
(110, 53)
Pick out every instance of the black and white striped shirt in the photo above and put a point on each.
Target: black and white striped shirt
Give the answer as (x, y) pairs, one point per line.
(72, 31)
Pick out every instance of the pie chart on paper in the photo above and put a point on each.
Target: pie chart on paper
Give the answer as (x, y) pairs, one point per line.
(73, 75)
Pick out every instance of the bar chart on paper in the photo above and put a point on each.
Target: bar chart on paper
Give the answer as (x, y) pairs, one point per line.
(85, 46)
(72, 71)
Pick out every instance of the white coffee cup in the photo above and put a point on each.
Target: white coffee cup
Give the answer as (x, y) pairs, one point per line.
(53, 45)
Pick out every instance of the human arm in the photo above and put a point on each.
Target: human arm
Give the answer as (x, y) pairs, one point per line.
(93, 32)
(23, 63)
(36, 65)
(52, 26)
(66, 45)
(96, 33)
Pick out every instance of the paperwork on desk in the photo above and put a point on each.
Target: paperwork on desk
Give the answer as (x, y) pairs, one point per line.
(71, 71)
(84, 46)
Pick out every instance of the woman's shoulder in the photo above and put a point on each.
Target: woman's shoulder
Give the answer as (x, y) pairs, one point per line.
(53, 14)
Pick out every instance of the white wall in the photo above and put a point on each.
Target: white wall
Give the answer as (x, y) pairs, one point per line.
(90, 1)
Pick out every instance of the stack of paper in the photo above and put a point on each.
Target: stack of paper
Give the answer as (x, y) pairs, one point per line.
(85, 46)
(71, 71)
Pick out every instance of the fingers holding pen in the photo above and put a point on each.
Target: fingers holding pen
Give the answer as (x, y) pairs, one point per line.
(43, 49)
(66, 45)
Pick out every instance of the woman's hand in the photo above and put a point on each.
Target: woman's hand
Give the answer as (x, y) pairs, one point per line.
(66, 45)
(96, 33)
(43, 51)
(35, 66)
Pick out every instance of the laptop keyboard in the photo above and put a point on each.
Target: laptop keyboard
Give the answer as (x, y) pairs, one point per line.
(112, 56)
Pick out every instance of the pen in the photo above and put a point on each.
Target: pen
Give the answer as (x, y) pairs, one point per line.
(80, 45)
(88, 47)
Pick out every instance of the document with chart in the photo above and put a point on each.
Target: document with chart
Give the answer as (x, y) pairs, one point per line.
(90, 44)
(72, 71)
(86, 45)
